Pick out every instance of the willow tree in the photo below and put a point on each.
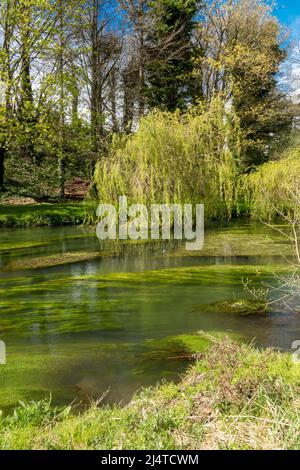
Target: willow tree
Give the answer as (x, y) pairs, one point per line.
(174, 157)
(274, 188)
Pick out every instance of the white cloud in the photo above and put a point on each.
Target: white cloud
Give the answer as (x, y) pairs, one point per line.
(289, 77)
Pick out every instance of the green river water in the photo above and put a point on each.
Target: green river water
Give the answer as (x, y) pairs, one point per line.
(81, 317)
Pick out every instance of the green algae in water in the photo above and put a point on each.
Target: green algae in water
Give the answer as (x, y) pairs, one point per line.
(185, 345)
(123, 320)
(241, 307)
(76, 370)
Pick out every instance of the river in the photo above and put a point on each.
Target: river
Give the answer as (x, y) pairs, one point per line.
(82, 318)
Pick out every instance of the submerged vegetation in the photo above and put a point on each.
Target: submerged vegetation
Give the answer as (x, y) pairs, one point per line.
(98, 316)
(241, 307)
(233, 397)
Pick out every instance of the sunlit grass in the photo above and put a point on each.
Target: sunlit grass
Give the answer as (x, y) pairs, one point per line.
(41, 214)
(233, 397)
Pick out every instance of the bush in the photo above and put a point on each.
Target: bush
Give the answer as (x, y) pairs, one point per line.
(274, 188)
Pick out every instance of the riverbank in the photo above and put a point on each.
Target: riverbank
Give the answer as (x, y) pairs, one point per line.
(41, 214)
(233, 397)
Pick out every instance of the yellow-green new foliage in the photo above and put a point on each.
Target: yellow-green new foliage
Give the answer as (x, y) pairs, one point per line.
(274, 188)
(175, 158)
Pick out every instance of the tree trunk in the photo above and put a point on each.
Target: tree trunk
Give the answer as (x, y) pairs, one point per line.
(2, 158)
(128, 112)
(61, 156)
(113, 101)
(6, 78)
(141, 64)
(97, 128)
(26, 114)
(75, 104)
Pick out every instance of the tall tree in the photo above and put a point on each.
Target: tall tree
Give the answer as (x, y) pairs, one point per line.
(8, 26)
(170, 50)
(131, 93)
(26, 109)
(61, 79)
(99, 51)
(243, 53)
(137, 20)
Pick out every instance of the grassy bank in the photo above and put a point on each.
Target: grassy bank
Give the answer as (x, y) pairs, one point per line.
(233, 397)
(30, 215)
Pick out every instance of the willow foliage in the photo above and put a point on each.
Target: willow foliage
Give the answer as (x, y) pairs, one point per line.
(175, 158)
(274, 188)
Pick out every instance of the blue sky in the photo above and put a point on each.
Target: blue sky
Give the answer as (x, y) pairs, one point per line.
(288, 11)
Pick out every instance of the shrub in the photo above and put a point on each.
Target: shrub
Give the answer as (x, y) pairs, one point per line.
(274, 188)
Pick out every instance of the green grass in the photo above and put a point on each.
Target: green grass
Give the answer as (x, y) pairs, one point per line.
(233, 397)
(42, 214)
